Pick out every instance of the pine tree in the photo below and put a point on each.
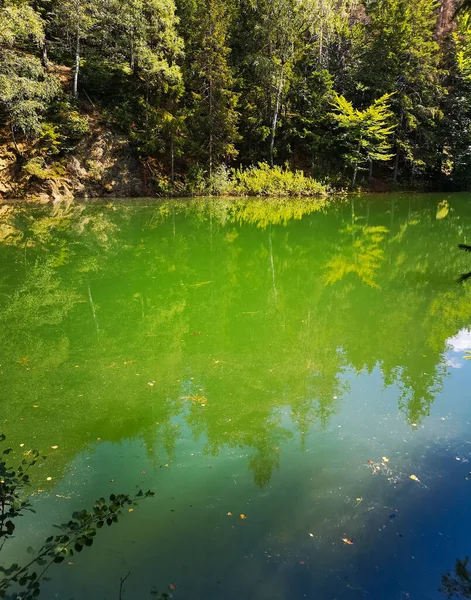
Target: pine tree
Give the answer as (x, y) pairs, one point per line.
(212, 101)
(403, 57)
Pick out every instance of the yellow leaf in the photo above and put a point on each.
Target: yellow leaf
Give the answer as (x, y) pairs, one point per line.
(414, 478)
(385, 460)
(347, 541)
(243, 516)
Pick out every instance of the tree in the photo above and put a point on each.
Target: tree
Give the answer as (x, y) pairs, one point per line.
(365, 133)
(269, 32)
(212, 101)
(26, 88)
(76, 18)
(403, 57)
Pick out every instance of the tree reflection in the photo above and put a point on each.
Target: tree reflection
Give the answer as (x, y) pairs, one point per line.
(457, 584)
(120, 322)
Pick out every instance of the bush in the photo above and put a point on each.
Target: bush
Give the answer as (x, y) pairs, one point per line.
(36, 167)
(263, 180)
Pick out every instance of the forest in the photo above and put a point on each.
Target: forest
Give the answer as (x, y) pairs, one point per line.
(249, 97)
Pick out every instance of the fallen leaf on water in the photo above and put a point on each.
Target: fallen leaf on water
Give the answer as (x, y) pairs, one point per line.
(414, 478)
(243, 516)
(385, 460)
(49, 479)
(150, 384)
(131, 510)
(311, 534)
(371, 462)
(54, 447)
(35, 406)
(70, 563)
(172, 587)
(229, 514)
(347, 541)
(22, 445)
(301, 562)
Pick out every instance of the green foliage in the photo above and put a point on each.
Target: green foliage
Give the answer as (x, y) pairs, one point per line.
(458, 583)
(213, 117)
(75, 535)
(36, 167)
(365, 133)
(200, 83)
(264, 180)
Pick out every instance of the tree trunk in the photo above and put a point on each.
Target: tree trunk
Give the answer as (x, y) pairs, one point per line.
(172, 159)
(355, 173)
(396, 166)
(275, 114)
(44, 58)
(13, 137)
(77, 64)
(211, 125)
(370, 175)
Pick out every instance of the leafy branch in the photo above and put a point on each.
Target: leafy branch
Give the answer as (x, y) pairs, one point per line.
(75, 535)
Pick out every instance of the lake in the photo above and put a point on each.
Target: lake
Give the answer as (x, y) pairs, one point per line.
(292, 362)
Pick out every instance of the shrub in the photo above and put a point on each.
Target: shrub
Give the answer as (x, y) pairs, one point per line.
(263, 180)
(36, 167)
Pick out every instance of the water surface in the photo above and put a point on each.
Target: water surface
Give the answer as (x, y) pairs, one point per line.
(245, 357)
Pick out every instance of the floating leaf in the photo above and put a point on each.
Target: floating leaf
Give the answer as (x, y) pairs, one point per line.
(311, 534)
(347, 541)
(229, 514)
(385, 460)
(414, 478)
(371, 462)
(172, 587)
(54, 447)
(242, 516)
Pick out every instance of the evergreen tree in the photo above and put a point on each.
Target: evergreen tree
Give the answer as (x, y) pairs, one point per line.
(212, 101)
(403, 58)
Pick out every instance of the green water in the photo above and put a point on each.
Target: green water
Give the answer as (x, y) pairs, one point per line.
(248, 357)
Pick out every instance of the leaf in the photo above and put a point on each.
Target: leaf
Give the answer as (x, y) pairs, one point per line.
(172, 586)
(229, 514)
(243, 516)
(347, 541)
(414, 478)
(385, 460)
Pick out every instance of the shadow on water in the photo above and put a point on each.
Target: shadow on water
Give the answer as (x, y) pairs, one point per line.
(253, 354)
